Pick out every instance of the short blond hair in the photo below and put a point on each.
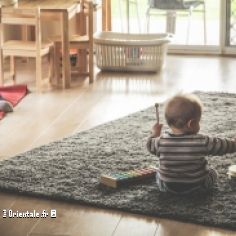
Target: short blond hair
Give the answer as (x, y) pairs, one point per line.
(182, 108)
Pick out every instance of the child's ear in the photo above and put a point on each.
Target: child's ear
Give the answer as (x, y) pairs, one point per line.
(190, 123)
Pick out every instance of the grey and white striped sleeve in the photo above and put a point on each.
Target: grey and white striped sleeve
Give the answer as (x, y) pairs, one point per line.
(220, 146)
(152, 145)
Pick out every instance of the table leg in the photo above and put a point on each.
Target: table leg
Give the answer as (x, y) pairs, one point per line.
(109, 15)
(1, 56)
(106, 15)
(1, 68)
(66, 75)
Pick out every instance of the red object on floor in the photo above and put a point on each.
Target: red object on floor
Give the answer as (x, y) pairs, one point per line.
(12, 94)
(2, 114)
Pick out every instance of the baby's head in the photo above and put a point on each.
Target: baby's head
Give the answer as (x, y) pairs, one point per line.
(183, 114)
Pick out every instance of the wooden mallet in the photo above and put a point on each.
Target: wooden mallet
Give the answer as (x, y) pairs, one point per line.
(157, 112)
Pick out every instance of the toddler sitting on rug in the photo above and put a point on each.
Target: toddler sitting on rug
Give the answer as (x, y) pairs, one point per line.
(183, 167)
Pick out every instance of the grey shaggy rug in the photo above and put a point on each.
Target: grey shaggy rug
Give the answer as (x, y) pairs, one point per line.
(69, 169)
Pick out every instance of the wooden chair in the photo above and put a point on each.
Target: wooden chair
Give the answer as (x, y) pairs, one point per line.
(174, 6)
(22, 48)
(82, 43)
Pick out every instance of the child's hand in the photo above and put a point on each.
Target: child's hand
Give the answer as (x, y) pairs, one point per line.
(156, 130)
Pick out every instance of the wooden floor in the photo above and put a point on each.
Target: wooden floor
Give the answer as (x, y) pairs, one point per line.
(41, 118)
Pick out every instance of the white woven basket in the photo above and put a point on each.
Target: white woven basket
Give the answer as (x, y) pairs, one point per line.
(130, 52)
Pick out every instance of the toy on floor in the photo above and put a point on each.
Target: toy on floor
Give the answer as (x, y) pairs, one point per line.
(232, 172)
(115, 180)
(157, 112)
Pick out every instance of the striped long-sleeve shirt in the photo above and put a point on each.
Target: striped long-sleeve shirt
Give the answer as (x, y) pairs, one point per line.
(182, 157)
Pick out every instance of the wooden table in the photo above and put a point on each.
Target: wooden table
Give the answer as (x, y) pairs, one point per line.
(54, 10)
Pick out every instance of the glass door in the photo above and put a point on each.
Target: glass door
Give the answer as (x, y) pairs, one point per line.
(197, 27)
(200, 28)
(230, 29)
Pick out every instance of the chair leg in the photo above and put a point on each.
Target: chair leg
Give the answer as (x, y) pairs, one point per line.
(57, 63)
(91, 70)
(77, 59)
(13, 69)
(170, 21)
(51, 65)
(82, 59)
(204, 22)
(38, 73)
(189, 25)
(1, 68)
(25, 36)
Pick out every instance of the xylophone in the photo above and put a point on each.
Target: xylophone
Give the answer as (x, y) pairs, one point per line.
(115, 180)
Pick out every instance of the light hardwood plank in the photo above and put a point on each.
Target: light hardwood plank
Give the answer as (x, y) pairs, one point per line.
(170, 227)
(21, 226)
(75, 220)
(6, 201)
(41, 118)
(135, 225)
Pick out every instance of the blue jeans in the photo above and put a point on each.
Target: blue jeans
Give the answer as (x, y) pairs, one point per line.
(185, 188)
